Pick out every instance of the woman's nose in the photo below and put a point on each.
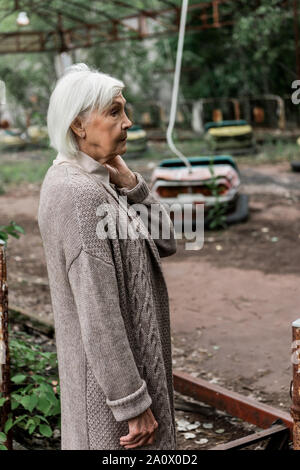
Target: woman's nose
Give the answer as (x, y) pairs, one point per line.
(128, 123)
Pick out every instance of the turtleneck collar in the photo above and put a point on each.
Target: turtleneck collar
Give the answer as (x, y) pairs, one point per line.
(87, 163)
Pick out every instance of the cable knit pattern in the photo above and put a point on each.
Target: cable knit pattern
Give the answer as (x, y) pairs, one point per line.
(111, 309)
(149, 340)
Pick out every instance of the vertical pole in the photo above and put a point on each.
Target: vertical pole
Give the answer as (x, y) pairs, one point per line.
(142, 26)
(295, 408)
(216, 17)
(4, 351)
(296, 31)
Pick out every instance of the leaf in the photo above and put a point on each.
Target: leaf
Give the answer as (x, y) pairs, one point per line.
(47, 389)
(45, 430)
(31, 428)
(20, 418)
(9, 424)
(43, 404)
(18, 228)
(36, 419)
(29, 402)
(56, 408)
(16, 396)
(9, 229)
(19, 378)
(14, 404)
(50, 395)
(38, 378)
(41, 418)
(2, 437)
(2, 447)
(2, 400)
(13, 234)
(29, 423)
(3, 236)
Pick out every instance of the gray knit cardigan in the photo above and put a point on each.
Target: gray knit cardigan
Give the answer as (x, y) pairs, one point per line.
(111, 310)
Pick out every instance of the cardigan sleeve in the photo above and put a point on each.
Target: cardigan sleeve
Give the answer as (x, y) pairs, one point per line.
(94, 286)
(141, 194)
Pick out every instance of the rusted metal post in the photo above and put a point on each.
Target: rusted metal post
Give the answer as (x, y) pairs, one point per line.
(296, 33)
(4, 350)
(295, 395)
(216, 16)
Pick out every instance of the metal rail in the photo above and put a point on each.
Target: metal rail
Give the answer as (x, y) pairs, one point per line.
(247, 409)
(277, 434)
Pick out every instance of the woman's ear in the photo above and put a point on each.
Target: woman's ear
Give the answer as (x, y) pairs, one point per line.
(78, 128)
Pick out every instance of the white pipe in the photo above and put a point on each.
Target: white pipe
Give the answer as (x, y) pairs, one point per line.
(176, 85)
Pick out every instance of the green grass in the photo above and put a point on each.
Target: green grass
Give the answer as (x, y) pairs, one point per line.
(25, 170)
(280, 151)
(31, 166)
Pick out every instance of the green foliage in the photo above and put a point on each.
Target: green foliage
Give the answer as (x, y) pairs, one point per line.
(25, 76)
(11, 229)
(35, 402)
(118, 61)
(2, 440)
(28, 170)
(216, 216)
(254, 54)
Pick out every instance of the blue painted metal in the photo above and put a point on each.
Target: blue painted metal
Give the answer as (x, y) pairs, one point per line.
(175, 163)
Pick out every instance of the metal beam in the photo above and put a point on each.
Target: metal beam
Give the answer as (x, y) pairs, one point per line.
(233, 403)
(114, 29)
(278, 432)
(211, 15)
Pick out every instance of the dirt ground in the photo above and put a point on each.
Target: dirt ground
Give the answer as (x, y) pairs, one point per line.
(232, 302)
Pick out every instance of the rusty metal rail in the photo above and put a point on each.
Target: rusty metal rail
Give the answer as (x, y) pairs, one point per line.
(4, 351)
(233, 403)
(277, 434)
(247, 409)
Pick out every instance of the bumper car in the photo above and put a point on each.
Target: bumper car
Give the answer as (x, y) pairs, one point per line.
(172, 183)
(18, 139)
(236, 136)
(136, 141)
(12, 138)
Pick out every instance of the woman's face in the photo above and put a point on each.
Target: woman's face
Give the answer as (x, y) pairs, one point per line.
(100, 135)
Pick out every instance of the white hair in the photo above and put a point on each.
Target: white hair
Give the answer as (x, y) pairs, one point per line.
(78, 92)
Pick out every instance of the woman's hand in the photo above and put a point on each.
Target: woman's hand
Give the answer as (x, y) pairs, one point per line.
(120, 174)
(141, 431)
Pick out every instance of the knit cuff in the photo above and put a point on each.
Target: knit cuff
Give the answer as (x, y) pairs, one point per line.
(139, 192)
(131, 406)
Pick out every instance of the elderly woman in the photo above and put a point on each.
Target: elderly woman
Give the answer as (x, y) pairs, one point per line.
(109, 296)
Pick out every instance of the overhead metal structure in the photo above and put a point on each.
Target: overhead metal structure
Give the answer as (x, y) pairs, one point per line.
(67, 25)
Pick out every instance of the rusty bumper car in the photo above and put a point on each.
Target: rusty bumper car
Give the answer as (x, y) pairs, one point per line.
(213, 180)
